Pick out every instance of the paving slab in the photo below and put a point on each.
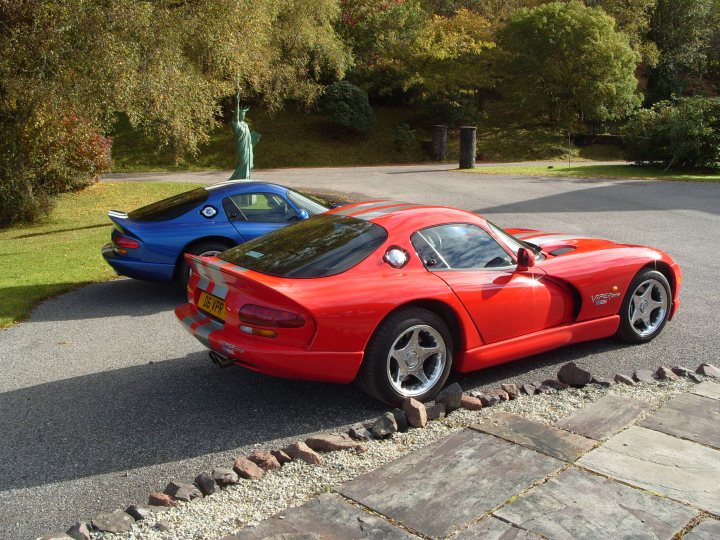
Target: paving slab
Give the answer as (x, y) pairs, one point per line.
(605, 417)
(706, 530)
(579, 504)
(549, 440)
(692, 417)
(680, 469)
(708, 389)
(492, 528)
(327, 517)
(450, 483)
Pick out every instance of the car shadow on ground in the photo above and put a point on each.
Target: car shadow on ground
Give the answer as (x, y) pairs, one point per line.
(529, 369)
(155, 413)
(119, 297)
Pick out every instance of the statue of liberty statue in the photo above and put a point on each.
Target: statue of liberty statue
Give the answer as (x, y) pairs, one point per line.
(244, 142)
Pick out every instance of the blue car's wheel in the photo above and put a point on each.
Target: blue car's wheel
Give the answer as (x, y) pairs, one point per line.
(207, 248)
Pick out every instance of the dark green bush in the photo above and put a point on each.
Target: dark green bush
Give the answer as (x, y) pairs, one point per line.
(348, 107)
(403, 137)
(681, 134)
(45, 159)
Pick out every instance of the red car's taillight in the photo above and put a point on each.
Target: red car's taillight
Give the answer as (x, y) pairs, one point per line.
(264, 316)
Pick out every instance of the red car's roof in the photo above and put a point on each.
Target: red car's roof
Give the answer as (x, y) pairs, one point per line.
(390, 214)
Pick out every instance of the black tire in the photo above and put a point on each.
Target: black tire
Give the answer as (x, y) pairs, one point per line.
(205, 246)
(374, 377)
(651, 317)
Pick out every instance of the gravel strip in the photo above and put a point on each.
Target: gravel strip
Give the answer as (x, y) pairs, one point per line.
(249, 502)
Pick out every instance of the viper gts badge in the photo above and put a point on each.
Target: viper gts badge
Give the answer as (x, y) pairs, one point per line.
(602, 298)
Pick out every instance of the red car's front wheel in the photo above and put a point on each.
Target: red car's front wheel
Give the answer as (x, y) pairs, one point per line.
(409, 355)
(645, 308)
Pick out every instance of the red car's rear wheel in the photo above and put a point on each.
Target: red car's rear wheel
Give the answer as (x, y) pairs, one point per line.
(409, 355)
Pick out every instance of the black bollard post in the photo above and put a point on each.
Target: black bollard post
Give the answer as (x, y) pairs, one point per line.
(439, 143)
(468, 147)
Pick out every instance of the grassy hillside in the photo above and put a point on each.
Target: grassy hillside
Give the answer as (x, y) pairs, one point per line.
(292, 138)
(289, 138)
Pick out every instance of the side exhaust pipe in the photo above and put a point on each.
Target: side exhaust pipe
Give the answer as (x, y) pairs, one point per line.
(220, 360)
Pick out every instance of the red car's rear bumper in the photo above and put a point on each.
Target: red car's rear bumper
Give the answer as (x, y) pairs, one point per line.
(266, 357)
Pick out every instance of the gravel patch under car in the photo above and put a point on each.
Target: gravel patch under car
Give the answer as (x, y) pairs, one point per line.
(249, 502)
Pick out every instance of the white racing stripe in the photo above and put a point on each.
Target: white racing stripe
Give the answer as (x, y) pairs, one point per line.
(202, 333)
(363, 207)
(543, 239)
(384, 211)
(210, 274)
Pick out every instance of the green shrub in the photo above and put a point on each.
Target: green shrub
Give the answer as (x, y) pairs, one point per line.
(45, 159)
(348, 107)
(19, 201)
(684, 134)
(403, 137)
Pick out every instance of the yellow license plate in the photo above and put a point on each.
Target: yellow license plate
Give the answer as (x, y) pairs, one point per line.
(212, 304)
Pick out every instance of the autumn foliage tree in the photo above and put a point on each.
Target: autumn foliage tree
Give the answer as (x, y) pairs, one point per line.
(67, 67)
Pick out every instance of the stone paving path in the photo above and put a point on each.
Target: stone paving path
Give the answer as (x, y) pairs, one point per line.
(615, 469)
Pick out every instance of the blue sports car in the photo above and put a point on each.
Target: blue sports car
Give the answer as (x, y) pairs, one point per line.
(149, 243)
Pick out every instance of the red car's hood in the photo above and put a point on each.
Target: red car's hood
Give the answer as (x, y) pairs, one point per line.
(559, 243)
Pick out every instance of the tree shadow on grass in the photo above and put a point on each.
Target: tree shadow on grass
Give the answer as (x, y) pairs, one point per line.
(57, 231)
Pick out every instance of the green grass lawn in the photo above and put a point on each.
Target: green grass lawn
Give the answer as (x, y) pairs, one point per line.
(63, 252)
(577, 170)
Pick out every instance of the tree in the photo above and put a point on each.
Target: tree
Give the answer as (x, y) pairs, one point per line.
(379, 34)
(713, 60)
(403, 49)
(164, 63)
(632, 17)
(448, 64)
(569, 62)
(681, 29)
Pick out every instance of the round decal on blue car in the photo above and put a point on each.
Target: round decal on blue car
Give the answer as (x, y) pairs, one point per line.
(209, 211)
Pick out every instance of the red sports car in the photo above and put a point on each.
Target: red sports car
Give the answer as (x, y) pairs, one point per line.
(395, 295)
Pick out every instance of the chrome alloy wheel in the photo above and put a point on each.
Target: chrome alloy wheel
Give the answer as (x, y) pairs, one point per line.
(416, 360)
(211, 253)
(648, 307)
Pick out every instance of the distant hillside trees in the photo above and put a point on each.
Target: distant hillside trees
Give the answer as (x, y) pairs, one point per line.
(682, 30)
(567, 61)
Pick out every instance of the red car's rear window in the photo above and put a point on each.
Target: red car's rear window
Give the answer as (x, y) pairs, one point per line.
(323, 245)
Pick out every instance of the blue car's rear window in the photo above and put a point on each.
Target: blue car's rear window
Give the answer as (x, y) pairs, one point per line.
(170, 208)
(323, 245)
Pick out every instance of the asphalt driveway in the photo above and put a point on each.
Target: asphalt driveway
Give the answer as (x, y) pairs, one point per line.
(104, 398)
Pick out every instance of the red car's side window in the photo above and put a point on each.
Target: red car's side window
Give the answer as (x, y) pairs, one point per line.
(460, 246)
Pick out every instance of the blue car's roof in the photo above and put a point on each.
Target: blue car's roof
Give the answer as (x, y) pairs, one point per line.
(243, 185)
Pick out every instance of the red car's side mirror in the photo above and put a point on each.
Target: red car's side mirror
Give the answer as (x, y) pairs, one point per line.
(525, 259)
